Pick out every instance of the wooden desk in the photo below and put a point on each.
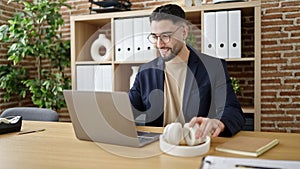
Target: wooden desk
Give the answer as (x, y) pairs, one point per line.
(57, 147)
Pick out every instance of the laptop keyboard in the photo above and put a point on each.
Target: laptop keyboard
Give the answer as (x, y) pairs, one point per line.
(145, 139)
(147, 136)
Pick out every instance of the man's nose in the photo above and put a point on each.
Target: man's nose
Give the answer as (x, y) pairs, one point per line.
(160, 43)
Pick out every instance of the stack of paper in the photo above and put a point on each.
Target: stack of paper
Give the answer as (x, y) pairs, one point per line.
(214, 162)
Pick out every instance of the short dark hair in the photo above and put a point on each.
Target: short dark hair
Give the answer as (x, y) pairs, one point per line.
(168, 12)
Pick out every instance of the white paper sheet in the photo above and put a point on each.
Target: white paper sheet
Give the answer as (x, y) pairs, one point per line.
(216, 162)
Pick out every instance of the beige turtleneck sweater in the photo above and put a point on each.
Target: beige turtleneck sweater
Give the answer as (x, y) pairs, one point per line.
(175, 73)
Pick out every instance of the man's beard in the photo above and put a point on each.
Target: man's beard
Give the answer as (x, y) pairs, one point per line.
(171, 56)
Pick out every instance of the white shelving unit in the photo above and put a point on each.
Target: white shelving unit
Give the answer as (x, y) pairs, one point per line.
(85, 26)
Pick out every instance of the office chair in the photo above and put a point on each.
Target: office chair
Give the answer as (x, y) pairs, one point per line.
(31, 113)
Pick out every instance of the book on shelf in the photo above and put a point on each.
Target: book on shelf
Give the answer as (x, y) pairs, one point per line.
(248, 146)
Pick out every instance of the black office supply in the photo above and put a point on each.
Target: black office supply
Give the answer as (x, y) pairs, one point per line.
(10, 124)
(31, 131)
(109, 5)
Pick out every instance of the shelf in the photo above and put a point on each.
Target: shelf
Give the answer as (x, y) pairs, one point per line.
(131, 62)
(94, 19)
(239, 59)
(93, 63)
(222, 6)
(84, 29)
(248, 109)
(141, 62)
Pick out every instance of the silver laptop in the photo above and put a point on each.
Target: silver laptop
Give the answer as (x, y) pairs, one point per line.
(105, 117)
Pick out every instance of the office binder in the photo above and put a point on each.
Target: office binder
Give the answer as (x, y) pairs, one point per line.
(234, 35)
(118, 32)
(149, 50)
(221, 34)
(138, 38)
(128, 39)
(209, 33)
(98, 77)
(85, 77)
(103, 77)
(107, 77)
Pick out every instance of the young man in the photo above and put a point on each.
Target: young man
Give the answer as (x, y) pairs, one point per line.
(183, 85)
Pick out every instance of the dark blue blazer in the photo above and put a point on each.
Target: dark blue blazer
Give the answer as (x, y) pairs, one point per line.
(208, 92)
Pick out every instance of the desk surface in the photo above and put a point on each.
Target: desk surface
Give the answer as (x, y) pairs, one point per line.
(57, 147)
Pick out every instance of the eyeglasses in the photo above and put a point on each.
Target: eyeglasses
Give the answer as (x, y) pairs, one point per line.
(165, 37)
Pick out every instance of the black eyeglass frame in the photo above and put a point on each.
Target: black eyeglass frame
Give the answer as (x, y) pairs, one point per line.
(165, 37)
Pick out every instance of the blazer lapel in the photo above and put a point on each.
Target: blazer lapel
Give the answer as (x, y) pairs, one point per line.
(160, 65)
(189, 106)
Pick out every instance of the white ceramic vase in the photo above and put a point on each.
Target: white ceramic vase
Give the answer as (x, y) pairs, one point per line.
(135, 70)
(101, 41)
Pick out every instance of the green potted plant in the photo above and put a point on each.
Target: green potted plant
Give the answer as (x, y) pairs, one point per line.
(35, 32)
(235, 85)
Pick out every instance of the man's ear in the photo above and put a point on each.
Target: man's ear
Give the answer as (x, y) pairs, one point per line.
(185, 31)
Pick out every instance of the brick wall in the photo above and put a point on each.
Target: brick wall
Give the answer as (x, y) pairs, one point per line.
(280, 60)
(280, 66)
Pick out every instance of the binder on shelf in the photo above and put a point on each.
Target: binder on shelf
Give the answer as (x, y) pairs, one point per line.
(103, 78)
(234, 35)
(138, 38)
(128, 39)
(118, 32)
(107, 77)
(222, 34)
(149, 51)
(85, 77)
(209, 33)
(98, 78)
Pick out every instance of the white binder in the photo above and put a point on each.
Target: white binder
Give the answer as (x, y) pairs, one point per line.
(138, 40)
(107, 77)
(103, 78)
(149, 50)
(85, 77)
(119, 49)
(128, 39)
(222, 34)
(98, 77)
(234, 35)
(209, 33)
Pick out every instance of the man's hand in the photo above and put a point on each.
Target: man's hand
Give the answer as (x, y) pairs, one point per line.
(208, 126)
